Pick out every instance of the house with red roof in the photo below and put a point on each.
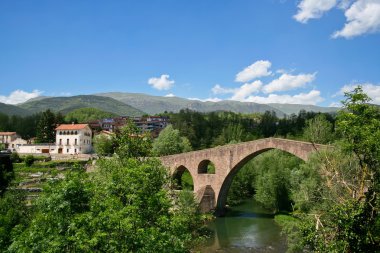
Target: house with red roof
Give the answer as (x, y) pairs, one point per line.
(73, 139)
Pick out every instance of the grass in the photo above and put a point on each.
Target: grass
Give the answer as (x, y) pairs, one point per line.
(285, 220)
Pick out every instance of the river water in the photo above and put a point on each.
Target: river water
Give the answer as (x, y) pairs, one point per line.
(245, 228)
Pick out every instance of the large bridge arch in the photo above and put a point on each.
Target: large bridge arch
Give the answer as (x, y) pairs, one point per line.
(225, 186)
(229, 159)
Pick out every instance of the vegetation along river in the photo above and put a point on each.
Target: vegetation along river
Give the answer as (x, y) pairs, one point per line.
(245, 228)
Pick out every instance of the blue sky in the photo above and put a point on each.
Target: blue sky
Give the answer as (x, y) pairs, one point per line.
(307, 51)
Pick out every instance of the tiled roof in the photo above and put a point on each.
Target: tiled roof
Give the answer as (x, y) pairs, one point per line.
(7, 133)
(71, 126)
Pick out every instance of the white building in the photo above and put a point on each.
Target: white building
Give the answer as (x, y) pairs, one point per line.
(7, 137)
(43, 148)
(16, 144)
(73, 139)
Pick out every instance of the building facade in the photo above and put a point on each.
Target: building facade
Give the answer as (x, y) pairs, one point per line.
(7, 137)
(73, 139)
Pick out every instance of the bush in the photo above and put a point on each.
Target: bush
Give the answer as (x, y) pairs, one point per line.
(29, 160)
(15, 158)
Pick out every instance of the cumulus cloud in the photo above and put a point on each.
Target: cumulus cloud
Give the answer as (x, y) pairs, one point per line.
(311, 98)
(161, 83)
(289, 82)
(311, 9)
(217, 89)
(19, 96)
(246, 90)
(240, 93)
(373, 91)
(170, 95)
(362, 17)
(256, 70)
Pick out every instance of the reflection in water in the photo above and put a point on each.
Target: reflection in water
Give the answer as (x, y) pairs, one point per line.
(245, 228)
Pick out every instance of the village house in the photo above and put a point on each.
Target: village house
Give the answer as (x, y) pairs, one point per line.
(7, 137)
(18, 142)
(73, 139)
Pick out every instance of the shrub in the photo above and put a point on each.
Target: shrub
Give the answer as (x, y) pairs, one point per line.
(15, 158)
(29, 160)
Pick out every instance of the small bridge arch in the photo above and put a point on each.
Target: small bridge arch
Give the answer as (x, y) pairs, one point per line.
(228, 160)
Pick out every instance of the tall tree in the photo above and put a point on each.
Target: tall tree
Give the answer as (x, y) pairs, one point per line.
(318, 130)
(131, 142)
(46, 127)
(170, 142)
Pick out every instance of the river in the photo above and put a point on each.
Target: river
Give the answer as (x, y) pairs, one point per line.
(245, 228)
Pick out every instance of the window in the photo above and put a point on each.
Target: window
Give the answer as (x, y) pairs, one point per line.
(67, 150)
(75, 151)
(60, 141)
(76, 142)
(68, 142)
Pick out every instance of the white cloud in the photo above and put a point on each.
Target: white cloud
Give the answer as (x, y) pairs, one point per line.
(207, 99)
(240, 93)
(161, 83)
(289, 82)
(257, 69)
(246, 89)
(217, 89)
(19, 96)
(309, 9)
(170, 95)
(311, 98)
(362, 17)
(373, 91)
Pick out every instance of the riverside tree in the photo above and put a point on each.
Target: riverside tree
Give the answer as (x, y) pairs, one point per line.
(344, 216)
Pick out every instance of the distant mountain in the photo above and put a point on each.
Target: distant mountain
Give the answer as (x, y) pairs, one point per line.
(35, 99)
(296, 108)
(68, 104)
(13, 110)
(156, 104)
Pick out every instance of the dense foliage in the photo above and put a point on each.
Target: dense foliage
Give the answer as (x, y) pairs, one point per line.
(6, 172)
(126, 205)
(85, 115)
(24, 126)
(205, 130)
(46, 126)
(170, 142)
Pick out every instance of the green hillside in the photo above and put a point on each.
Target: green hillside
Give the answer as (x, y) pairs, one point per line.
(68, 104)
(13, 110)
(156, 104)
(84, 115)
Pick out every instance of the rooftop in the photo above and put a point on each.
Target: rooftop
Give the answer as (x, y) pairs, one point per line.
(71, 126)
(7, 133)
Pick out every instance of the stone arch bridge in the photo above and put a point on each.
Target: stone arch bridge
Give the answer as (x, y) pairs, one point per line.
(211, 189)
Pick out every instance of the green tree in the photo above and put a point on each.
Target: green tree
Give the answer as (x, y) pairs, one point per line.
(6, 172)
(84, 115)
(345, 212)
(318, 130)
(124, 206)
(272, 180)
(268, 124)
(14, 216)
(170, 142)
(46, 127)
(103, 145)
(130, 142)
